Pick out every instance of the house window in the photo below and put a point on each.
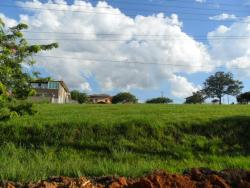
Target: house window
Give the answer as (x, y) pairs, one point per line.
(53, 85)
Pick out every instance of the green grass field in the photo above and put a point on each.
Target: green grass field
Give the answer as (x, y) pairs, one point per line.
(129, 140)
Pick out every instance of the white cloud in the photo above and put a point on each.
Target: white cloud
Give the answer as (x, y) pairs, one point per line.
(165, 43)
(200, 1)
(8, 21)
(223, 16)
(181, 87)
(231, 46)
(228, 43)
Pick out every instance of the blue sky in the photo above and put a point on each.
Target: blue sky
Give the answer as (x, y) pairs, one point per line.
(197, 18)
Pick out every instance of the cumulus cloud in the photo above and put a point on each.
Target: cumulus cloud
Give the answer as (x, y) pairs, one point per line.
(232, 46)
(8, 21)
(223, 16)
(117, 51)
(181, 87)
(230, 42)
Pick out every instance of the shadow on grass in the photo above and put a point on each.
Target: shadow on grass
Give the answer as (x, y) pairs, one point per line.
(140, 138)
(233, 131)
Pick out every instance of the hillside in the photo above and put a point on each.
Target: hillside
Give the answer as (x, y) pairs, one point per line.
(126, 140)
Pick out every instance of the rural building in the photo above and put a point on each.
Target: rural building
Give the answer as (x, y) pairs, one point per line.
(51, 91)
(100, 98)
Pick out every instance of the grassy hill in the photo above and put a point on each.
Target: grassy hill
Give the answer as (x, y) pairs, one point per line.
(127, 140)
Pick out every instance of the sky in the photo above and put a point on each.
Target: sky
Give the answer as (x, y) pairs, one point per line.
(147, 47)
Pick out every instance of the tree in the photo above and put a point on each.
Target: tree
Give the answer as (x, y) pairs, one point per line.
(79, 97)
(158, 100)
(221, 84)
(124, 97)
(243, 98)
(197, 98)
(14, 82)
(14, 53)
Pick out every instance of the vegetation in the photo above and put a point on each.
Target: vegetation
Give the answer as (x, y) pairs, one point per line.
(124, 97)
(163, 100)
(14, 82)
(79, 97)
(243, 98)
(221, 84)
(197, 98)
(128, 140)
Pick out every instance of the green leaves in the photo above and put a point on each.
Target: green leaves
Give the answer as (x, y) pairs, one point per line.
(163, 100)
(124, 97)
(14, 52)
(221, 84)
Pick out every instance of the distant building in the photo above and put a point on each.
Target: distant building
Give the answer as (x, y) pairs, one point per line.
(100, 99)
(51, 91)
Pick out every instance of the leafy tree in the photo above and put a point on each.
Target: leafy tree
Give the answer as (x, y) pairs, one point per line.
(221, 84)
(124, 97)
(243, 98)
(163, 100)
(197, 98)
(74, 94)
(14, 53)
(14, 82)
(79, 97)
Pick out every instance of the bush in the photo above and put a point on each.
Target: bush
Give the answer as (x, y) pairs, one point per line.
(160, 100)
(10, 107)
(79, 97)
(15, 108)
(22, 108)
(4, 113)
(124, 98)
(243, 98)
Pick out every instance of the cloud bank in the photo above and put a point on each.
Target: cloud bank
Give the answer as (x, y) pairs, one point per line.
(101, 43)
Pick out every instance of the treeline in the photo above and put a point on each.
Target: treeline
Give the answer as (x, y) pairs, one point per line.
(215, 88)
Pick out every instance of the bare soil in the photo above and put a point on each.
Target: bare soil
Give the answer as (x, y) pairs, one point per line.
(194, 178)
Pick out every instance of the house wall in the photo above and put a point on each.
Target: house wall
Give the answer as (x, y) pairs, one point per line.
(56, 95)
(63, 96)
(101, 100)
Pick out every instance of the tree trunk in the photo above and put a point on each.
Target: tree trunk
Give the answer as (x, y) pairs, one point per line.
(220, 99)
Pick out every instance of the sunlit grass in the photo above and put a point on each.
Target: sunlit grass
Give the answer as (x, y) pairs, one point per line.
(129, 140)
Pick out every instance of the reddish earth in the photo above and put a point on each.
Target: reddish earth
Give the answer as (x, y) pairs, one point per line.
(194, 178)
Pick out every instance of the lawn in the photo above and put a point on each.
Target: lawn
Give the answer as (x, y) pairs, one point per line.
(128, 140)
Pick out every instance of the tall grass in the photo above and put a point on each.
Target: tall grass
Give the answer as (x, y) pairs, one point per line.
(127, 140)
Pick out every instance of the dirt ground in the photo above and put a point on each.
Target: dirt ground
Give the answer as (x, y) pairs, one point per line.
(193, 178)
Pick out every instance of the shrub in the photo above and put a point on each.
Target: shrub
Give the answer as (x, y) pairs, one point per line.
(163, 100)
(124, 97)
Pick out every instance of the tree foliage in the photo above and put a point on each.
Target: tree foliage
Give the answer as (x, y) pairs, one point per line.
(79, 97)
(158, 100)
(124, 97)
(197, 98)
(220, 84)
(243, 98)
(15, 52)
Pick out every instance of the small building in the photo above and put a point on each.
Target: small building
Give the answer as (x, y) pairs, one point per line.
(50, 91)
(100, 99)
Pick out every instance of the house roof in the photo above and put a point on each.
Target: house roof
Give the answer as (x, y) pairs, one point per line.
(99, 96)
(63, 84)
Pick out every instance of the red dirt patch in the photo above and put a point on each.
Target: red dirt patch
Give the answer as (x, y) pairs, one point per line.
(194, 178)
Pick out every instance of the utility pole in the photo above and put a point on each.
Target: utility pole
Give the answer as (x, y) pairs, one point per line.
(162, 94)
